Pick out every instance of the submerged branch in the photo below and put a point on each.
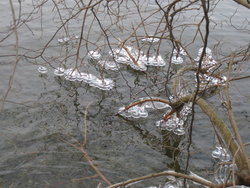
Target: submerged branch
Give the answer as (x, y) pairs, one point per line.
(225, 134)
(224, 131)
(231, 114)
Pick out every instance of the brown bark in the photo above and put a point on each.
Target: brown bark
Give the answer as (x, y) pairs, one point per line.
(245, 3)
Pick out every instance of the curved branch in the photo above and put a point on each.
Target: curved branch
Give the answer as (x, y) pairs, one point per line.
(244, 3)
(225, 133)
(165, 173)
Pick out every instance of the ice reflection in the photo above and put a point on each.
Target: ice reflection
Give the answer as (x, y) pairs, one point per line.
(223, 171)
(42, 69)
(174, 182)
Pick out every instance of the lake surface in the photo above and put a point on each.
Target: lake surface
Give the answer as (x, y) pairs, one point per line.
(43, 117)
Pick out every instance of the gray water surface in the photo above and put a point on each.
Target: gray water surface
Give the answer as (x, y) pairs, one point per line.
(44, 116)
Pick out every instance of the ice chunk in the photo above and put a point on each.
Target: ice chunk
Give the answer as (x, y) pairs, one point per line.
(177, 60)
(42, 69)
(153, 60)
(221, 154)
(59, 71)
(72, 75)
(135, 112)
(94, 54)
(150, 39)
(181, 52)
(103, 84)
(63, 40)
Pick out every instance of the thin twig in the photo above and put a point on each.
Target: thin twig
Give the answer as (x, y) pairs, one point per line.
(11, 79)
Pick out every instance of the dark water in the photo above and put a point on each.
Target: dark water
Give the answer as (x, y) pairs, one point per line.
(44, 117)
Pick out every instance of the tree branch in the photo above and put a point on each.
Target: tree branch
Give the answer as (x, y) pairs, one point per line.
(165, 173)
(244, 3)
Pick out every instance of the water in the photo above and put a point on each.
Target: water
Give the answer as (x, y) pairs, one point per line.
(44, 114)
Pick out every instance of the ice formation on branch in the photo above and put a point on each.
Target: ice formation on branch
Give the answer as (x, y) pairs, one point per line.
(177, 60)
(135, 112)
(150, 40)
(207, 61)
(181, 52)
(176, 121)
(140, 110)
(174, 124)
(59, 71)
(135, 58)
(156, 61)
(207, 80)
(177, 56)
(94, 55)
(129, 56)
(174, 182)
